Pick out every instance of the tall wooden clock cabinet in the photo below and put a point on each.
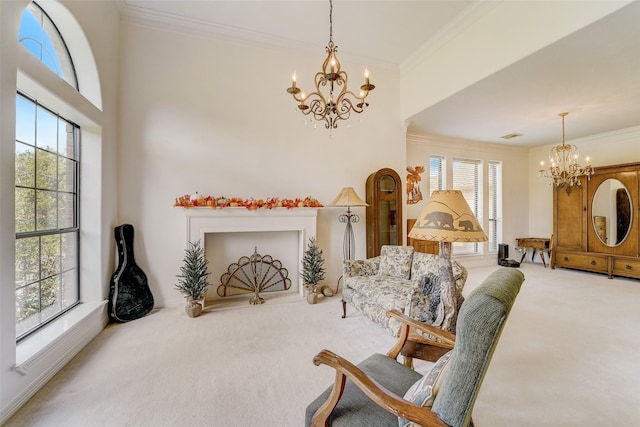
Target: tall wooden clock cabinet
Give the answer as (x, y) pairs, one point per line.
(384, 210)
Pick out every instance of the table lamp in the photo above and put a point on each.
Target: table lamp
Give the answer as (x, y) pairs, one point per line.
(447, 218)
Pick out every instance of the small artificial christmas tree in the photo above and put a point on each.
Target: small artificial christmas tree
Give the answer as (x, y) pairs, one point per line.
(313, 270)
(193, 280)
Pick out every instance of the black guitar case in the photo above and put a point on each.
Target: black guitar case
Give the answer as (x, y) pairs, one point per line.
(129, 295)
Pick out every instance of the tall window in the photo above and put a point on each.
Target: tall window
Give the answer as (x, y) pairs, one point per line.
(47, 233)
(46, 190)
(436, 174)
(495, 204)
(466, 178)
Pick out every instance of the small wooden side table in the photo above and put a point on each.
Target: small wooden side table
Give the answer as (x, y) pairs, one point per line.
(534, 243)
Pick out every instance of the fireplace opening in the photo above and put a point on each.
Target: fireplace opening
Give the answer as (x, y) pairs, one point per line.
(252, 275)
(223, 250)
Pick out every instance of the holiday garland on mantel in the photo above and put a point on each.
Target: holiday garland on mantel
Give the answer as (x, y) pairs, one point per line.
(187, 201)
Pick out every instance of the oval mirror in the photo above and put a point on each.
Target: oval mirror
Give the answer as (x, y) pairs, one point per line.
(611, 212)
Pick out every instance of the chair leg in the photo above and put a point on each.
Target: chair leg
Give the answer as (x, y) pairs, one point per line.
(408, 361)
(344, 308)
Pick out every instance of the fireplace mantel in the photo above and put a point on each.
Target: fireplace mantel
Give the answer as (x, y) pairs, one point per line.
(202, 221)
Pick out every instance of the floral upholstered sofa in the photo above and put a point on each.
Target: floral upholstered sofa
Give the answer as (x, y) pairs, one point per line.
(394, 280)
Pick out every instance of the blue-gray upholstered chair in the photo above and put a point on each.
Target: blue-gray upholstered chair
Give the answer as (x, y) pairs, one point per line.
(371, 394)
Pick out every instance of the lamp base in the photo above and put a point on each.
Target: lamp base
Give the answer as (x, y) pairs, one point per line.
(447, 311)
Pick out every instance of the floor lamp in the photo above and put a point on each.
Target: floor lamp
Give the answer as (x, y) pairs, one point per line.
(447, 218)
(348, 198)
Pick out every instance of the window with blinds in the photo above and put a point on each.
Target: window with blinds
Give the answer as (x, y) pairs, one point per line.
(436, 173)
(494, 233)
(467, 179)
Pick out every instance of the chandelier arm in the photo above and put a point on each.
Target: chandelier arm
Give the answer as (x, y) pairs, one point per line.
(318, 108)
(357, 107)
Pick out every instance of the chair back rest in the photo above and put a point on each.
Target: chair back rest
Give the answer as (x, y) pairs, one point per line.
(480, 323)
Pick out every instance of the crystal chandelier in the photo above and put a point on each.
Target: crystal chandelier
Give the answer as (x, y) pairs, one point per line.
(564, 167)
(331, 101)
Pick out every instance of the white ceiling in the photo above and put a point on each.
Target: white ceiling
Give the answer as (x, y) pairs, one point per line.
(593, 73)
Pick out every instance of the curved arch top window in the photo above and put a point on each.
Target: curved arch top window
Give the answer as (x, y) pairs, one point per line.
(41, 37)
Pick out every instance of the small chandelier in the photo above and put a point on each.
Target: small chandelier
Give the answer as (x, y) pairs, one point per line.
(334, 102)
(564, 167)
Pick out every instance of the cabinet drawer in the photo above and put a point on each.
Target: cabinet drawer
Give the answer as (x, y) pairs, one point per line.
(582, 261)
(626, 267)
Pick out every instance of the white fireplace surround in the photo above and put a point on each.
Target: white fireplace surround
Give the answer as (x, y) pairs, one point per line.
(202, 221)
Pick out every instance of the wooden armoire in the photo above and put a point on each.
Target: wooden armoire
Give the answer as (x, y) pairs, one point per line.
(595, 225)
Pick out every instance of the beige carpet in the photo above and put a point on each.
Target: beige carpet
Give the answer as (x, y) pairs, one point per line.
(568, 357)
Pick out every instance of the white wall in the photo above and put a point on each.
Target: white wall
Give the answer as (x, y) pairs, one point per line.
(610, 148)
(201, 113)
(489, 36)
(95, 113)
(515, 217)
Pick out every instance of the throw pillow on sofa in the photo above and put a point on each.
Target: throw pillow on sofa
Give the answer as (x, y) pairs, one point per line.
(395, 261)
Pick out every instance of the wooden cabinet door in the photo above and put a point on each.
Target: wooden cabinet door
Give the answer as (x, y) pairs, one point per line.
(569, 216)
(618, 190)
(424, 246)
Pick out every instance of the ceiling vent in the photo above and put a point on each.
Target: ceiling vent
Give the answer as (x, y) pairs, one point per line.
(511, 135)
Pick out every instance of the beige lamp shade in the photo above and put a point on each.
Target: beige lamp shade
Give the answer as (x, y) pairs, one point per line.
(347, 197)
(447, 218)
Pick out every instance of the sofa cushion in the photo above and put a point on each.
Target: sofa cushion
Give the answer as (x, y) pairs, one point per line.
(395, 261)
(423, 392)
(378, 288)
(360, 267)
(423, 264)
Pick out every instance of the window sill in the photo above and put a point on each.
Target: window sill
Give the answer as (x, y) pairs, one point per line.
(70, 327)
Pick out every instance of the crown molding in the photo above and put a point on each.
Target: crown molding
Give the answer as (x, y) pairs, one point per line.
(199, 27)
(465, 144)
(459, 24)
(630, 133)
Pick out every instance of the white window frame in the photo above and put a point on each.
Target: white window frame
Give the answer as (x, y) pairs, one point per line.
(494, 208)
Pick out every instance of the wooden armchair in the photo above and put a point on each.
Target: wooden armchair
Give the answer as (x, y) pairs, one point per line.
(373, 394)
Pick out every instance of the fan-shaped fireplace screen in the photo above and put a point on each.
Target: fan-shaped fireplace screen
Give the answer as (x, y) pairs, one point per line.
(254, 274)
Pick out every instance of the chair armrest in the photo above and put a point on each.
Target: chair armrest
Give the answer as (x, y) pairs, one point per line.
(377, 393)
(445, 336)
(447, 339)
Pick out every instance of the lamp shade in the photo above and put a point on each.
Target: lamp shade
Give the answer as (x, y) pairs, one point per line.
(347, 197)
(447, 218)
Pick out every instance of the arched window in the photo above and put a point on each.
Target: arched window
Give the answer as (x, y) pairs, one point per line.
(47, 179)
(40, 36)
